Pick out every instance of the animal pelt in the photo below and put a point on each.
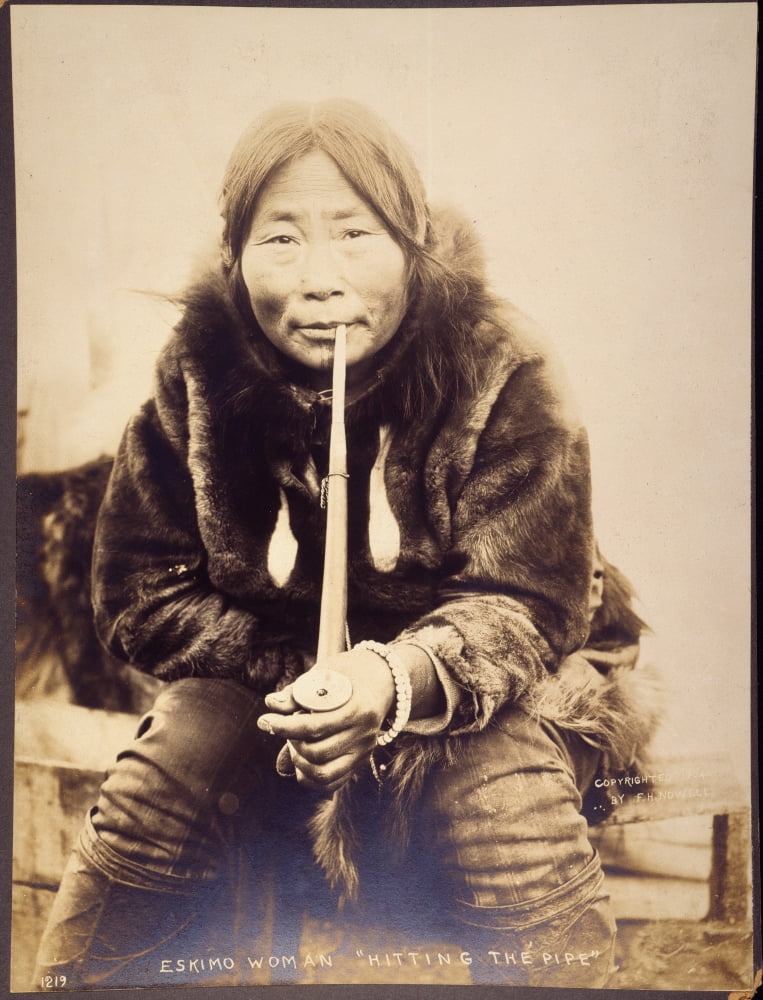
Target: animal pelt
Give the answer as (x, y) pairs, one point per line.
(57, 649)
(600, 693)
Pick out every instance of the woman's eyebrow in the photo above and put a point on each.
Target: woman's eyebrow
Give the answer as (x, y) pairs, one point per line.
(278, 215)
(341, 214)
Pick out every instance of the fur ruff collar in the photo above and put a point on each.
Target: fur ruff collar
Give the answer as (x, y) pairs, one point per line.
(442, 339)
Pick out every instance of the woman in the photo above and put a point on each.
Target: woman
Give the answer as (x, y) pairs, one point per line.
(469, 581)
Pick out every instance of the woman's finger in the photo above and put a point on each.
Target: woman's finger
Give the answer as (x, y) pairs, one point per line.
(326, 789)
(308, 726)
(314, 726)
(323, 752)
(281, 701)
(325, 776)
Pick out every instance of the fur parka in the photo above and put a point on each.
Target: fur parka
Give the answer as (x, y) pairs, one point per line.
(469, 527)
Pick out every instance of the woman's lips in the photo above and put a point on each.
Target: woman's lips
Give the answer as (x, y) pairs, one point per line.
(321, 331)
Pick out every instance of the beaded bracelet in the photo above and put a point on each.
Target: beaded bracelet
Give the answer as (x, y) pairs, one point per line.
(403, 690)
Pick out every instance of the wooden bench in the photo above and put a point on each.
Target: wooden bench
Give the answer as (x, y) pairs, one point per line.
(696, 786)
(62, 751)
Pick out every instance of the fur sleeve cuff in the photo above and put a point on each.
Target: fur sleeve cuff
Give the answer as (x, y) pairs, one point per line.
(452, 692)
(476, 702)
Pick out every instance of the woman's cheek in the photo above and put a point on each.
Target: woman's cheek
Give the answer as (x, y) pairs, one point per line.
(268, 304)
(392, 282)
(264, 285)
(392, 304)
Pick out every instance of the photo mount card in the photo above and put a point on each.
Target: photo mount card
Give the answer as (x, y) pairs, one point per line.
(604, 154)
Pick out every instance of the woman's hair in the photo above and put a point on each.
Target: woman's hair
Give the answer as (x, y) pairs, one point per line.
(366, 150)
(378, 165)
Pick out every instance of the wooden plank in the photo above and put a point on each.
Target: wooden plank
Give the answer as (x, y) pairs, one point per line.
(679, 847)
(61, 755)
(69, 734)
(49, 805)
(30, 914)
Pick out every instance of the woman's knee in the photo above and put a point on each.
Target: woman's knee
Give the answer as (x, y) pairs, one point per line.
(198, 763)
(506, 814)
(202, 733)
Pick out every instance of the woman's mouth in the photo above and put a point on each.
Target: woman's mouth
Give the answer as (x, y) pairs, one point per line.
(322, 331)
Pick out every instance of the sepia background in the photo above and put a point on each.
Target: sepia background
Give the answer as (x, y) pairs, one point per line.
(605, 154)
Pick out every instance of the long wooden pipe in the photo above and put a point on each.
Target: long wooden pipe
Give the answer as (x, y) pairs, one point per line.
(332, 628)
(321, 689)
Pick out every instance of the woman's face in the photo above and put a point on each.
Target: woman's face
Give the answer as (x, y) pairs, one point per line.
(317, 255)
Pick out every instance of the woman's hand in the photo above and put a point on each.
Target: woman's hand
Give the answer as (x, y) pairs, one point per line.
(326, 747)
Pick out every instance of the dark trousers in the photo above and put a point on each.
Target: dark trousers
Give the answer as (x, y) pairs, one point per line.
(195, 835)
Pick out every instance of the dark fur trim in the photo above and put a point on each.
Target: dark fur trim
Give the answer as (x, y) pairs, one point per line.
(615, 622)
(337, 843)
(618, 714)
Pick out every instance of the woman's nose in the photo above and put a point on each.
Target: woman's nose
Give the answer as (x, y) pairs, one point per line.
(321, 275)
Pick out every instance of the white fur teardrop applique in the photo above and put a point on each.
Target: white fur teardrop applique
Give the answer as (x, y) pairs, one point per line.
(383, 529)
(282, 551)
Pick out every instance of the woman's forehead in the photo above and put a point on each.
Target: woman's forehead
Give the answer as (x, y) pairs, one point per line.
(312, 181)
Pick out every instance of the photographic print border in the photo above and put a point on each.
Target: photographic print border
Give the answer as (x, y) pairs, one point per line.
(7, 540)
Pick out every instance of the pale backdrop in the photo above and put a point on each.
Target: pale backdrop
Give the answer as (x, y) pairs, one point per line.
(605, 153)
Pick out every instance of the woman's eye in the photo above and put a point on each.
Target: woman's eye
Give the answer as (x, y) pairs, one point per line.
(353, 234)
(281, 240)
